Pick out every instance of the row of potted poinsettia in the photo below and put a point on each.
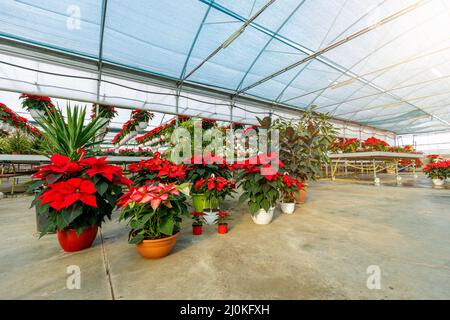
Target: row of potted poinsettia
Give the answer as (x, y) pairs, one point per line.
(77, 195)
(77, 191)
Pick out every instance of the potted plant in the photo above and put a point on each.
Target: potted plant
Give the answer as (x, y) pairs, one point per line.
(154, 214)
(202, 167)
(197, 224)
(304, 146)
(374, 144)
(75, 193)
(141, 117)
(259, 181)
(438, 171)
(289, 188)
(215, 189)
(156, 170)
(222, 218)
(37, 106)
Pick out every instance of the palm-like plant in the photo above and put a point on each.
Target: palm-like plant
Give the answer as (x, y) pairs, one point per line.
(65, 138)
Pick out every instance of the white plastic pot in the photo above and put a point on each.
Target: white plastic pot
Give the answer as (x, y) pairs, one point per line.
(438, 182)
(142, 125)
(262, 216)
(288, 207)
(210, 216)
(37, 114)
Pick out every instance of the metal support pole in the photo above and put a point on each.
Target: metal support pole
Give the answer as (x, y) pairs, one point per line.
(376, 180)
(397, 176)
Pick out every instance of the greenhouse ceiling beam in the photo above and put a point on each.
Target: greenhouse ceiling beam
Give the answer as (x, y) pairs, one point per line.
(268, 43)
(317, 54)
(191, 49)
(25, 50)
(311, 52)
(100, 49)
(280, 95)
(229, 40)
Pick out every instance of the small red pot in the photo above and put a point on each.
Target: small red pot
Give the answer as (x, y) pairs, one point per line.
(223, 228)
(197, 230)
(70, 241)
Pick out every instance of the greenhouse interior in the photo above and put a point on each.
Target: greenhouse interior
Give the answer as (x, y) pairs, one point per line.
(224, 150)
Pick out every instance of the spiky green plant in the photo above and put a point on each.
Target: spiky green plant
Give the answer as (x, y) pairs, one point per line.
(65, 138)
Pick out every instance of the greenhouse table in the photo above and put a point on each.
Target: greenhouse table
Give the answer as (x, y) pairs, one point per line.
(32, 158)
(373, 157)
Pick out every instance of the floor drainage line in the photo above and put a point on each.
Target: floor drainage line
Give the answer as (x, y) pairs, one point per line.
(107, 266)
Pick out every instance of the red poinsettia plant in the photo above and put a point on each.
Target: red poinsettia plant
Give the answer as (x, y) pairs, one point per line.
(127, 128)
(289, 187)
(141, 115)
(105, 111)
(77, 194)
(438, 170)
(39, 103)
(345, 145)
(258, 177)
(154, 211)
(156, 170)
(163, 130)
(202, 167)
(198, 218)
(214, 187)
(222, 217)
(10, 117)
(374, 144)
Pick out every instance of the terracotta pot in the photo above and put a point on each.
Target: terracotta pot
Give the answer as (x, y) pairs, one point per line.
(70, 241)
(197, 230)
(222, 228)
(155, 249)
(300, 198)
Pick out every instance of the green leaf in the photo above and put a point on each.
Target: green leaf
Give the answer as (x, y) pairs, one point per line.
(71, 213)
(36, 184)
(166, 226)
(101, 188)
(254, 207)
(136, 239)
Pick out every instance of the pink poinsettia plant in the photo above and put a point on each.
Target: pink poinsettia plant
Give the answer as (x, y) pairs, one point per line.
(153, 211)
(77, 194)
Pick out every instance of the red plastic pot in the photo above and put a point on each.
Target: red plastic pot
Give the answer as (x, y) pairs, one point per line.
(70, 241)
(223, 228)
(197, 230)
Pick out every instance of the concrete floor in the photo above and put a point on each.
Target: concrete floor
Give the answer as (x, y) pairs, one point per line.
(321, 252)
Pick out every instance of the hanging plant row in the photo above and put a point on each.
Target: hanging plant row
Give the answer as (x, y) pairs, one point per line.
(139, 121)
(11, 120)
(161, 133)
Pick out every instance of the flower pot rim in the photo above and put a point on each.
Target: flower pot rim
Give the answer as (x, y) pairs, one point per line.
(222, 224)
(160, 240)
(73, 229)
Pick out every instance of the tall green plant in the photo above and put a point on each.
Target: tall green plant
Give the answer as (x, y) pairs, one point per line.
(65, 138)
(304, 144)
